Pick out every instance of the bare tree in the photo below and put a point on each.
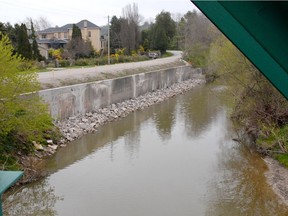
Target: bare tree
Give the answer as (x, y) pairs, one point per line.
(130, 34)
(39, 24)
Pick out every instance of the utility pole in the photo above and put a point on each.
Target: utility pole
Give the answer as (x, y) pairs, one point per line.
(108, 41)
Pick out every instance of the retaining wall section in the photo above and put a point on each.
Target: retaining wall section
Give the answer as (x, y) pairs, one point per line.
(74, 100)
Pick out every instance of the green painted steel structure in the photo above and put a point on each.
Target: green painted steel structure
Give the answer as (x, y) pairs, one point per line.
(259, 29)
(7, 179)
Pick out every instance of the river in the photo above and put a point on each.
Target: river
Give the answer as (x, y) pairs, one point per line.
(176, 158)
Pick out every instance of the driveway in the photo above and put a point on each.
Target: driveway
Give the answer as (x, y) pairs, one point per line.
(54, 78)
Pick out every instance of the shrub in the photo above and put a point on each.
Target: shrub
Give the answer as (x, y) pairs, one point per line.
(24, 118)
(82, 62)
(64, 63)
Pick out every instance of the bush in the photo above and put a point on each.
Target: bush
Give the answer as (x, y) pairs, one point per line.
(82, 62)
(24, 118)
(64, 63)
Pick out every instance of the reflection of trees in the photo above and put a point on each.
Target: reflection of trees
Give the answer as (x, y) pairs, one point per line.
(199, 109)
(35, 200)
(128, 127)
(165, 118)
(242, 189)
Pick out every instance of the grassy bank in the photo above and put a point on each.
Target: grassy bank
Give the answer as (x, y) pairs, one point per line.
(259, 108)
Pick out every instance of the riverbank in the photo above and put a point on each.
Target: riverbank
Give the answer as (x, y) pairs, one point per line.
(277, 178)
(75, 127)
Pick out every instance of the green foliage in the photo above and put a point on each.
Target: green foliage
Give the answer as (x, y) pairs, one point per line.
(35, 51)
(197, 55)
(23, 46)
(165, 21)
(115, 29)
(195, 33)
(24, 118)
(64, 63)
(160, 35)
(167, 54)
(160, 39)
(76, 32)
(8, 162)
(82, 62)
(283, 159)
(259, 108)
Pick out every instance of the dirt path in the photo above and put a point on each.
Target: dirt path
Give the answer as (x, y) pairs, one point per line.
(55, 78)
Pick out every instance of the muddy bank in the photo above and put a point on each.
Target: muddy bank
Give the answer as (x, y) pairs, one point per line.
(75, 127)
(277, 178)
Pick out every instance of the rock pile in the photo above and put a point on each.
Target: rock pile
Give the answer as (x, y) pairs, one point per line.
(75, 127)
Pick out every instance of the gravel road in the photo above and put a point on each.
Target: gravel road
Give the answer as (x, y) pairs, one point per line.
(55, 77)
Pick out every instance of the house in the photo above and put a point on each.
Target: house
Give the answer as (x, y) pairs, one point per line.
(58, 37)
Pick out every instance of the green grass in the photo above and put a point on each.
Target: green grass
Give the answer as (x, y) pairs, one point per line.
(283, 159)
(8, 162)
(167, 54)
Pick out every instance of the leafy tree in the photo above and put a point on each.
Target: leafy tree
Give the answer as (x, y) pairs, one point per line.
(35, 50)
(23, 118)
(160, 39)
(76, 32)
(115, 29)
(9, 30)
(145, 39)
(23, 46)
(162, 32)
(259, 108)
(165, 20)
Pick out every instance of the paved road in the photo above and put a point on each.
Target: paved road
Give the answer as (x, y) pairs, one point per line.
(55, 77)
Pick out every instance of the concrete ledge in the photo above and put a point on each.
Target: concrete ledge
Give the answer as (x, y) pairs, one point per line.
(69, 101)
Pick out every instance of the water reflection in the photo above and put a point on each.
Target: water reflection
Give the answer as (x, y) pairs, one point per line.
(32, 201)
(174, 158)
(241, 187)
(199, 109)
(164, 118)
(105, 136)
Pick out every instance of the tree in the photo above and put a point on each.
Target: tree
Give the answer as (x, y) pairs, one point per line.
(39, 24)
(115, 29)
(165, 20)
(35, 50)
(77, 47)
(23, 118)
(160, 39)
(196, 35)
(130, 34)
(23, 46)
(162, 32)
(76, 32)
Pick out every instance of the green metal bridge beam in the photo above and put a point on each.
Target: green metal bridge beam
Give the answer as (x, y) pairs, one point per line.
(260, 31)
(7, 179)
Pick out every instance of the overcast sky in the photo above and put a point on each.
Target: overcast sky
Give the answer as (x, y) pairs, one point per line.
(61, 12)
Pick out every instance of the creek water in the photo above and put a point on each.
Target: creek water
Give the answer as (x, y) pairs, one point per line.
(176, 158)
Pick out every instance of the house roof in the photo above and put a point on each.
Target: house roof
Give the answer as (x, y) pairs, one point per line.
(51, 41)
(66, 27)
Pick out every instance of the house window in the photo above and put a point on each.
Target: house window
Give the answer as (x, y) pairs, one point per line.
(65, 35)
(89, 33)
(44, 36)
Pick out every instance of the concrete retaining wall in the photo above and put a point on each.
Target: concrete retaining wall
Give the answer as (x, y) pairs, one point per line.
(68, 101)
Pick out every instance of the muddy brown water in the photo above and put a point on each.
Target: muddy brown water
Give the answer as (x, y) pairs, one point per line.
(176, 158)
